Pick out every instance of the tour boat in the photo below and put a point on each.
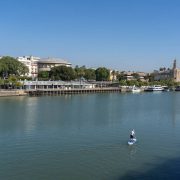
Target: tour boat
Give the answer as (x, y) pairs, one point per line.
(155, 88)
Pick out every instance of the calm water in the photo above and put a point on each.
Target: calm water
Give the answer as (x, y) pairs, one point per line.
(85, 137)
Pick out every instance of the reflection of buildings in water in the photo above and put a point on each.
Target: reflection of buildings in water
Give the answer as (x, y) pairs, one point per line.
(175, 108)
(30, 109)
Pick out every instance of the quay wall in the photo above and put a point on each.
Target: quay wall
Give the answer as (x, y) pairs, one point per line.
(4, 93)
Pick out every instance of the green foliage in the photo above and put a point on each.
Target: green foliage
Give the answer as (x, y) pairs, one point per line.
(168, 82)
(102, 74)
(150, 77)
(62, 73)
(18, 84)
(135, 75)
(120, 77)
(123, 82)
(1, 81)
(43, 75)
(90, 74)
(80, 71)
(12, 79)
(11, 66)
(23, 78)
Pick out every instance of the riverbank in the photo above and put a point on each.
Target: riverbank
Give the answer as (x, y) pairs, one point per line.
(59, 91)
(52, 91)
(4, 93)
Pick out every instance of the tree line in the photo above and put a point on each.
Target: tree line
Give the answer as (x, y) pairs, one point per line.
(100, 74)
(68, 73)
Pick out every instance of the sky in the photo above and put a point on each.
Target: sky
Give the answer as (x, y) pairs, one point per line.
(130, 35)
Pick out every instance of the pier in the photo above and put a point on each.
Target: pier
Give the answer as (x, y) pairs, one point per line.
(52, 92)
(38, 88)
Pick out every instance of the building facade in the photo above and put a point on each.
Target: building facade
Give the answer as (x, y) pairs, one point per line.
(36, 64)
(164, 74)
(32, 63)
(129, 76)
(47, 63)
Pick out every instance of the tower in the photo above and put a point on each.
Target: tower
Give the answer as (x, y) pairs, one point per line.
(174, 64)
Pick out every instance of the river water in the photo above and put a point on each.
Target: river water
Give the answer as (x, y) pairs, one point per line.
(85, 137)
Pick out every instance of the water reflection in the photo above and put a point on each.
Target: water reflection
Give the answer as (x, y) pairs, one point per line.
(30, 117)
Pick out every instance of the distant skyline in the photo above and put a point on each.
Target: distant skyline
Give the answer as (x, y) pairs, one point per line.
(135, 35)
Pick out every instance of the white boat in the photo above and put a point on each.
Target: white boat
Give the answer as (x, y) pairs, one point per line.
(155, 88)
(135, 89)
(132, 141)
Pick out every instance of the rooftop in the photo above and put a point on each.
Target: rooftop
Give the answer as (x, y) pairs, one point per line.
(53, 61)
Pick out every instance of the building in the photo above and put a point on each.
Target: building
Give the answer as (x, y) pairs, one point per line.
(47, 63)
(32, 63)
(113, 75)
(164, 74)
(36, 64)
(131, 75)
(57, 85)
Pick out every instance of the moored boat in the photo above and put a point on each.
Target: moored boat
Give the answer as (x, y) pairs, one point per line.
(177, 88)
(155, 88)
(166, 88)
(135, 89)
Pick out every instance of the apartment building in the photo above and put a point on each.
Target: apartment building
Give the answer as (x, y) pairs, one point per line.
(32, 63)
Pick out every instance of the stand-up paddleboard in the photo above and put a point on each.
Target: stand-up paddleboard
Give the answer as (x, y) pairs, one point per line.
(132, 141)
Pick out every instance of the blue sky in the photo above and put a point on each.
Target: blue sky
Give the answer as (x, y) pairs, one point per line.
(139, 35)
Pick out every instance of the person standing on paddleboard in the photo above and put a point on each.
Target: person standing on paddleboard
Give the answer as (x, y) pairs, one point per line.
(132, 135)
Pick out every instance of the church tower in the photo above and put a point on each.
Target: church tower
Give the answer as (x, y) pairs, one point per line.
(174, 64)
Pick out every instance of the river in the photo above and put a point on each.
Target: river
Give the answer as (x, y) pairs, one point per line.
(85, 137)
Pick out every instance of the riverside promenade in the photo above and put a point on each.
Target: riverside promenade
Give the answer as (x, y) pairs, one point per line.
(51, 92)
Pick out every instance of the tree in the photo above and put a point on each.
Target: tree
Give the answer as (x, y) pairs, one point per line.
(120, 76)
(150, 77)
(102, 74)
(136, 75)
(43, 75)
(62, 73)
(123, 82)
(11, 66)
(80, 71)
(90, 74)
(1, 82)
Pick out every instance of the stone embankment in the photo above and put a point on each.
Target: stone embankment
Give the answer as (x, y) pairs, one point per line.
(4, 93)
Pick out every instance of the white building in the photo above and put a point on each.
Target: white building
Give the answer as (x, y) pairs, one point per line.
(36, 64)
(46, 64)
(32, 63)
